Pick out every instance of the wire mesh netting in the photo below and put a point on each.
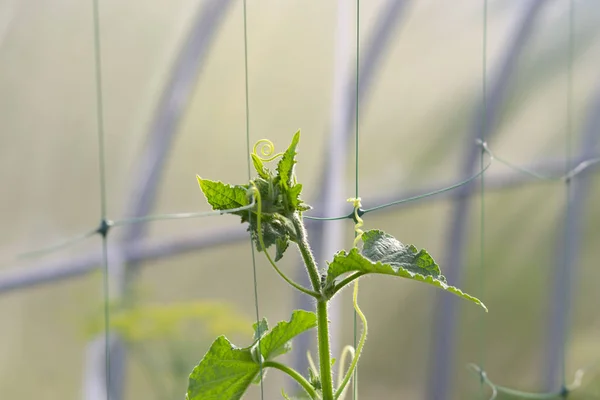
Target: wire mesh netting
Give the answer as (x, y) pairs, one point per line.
(467, 129)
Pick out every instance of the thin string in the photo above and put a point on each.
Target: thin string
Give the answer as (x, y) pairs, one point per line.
(101, 160)
(418, 197)
(248, 147)
(56, 247)
(563, 392)
(165, 217)
(356, 174)
(482, 327)
(568, 175)
(568, 136)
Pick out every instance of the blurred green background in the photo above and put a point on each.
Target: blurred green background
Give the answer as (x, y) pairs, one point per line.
(413, 124)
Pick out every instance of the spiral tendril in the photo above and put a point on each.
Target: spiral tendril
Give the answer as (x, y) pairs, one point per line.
(359, 222)
(267, 148)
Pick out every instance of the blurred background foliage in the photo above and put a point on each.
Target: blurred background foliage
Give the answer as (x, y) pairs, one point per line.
(413, 136)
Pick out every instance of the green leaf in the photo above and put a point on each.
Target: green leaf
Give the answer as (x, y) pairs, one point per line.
(272, 230)
(314, 379)
(224, 373)
(383, 254)
(276, 341)
(285, 166)
(260, 328)
(294, 198)
(222, 196)
(227, 371)
(281, 245)
(262, 171)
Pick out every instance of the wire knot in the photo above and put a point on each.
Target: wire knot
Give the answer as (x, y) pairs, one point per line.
(564, 392)
(104, 227)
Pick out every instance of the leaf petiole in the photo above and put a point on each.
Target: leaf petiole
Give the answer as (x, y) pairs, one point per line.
(339, 286)
(294, 375)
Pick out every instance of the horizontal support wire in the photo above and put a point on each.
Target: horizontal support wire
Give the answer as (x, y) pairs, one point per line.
(15, 278)
(496, 389)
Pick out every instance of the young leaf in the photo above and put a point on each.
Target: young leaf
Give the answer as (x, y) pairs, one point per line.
(285, 166)
(294, 198)
(260, 328)
(281, 245)
(276, 341)
(262, 171)
(271, 231)
(222, 196)
(383, 254)
(224, 373)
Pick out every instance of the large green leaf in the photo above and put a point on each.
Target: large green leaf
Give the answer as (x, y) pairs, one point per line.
(285, 166)
(222, 196)
(383, 254)
(226, 371)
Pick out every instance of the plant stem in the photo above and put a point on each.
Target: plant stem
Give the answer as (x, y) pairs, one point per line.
(322, 320)
(324, 351)
(295, 375)
(307, 256)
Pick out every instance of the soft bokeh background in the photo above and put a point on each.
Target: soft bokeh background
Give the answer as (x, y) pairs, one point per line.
(414, 125)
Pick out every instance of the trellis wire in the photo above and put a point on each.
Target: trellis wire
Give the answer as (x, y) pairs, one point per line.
(248, 147)
(328, 238)
(568, 174)
(166, 247)
(356, 174)
(563, 287)
(482, 266)
(442, 353)
(150, 165)
(102, 178)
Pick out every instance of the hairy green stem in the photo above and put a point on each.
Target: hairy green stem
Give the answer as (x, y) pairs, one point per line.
(324, 350)
(307, 256)
(295, 375)
(322, 319)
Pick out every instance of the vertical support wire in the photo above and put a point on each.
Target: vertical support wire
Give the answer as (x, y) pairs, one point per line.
(568, 137)
(439, 385)
(482, 327)
(102, 175)
(356, 150)
(564, 276)
(256, 306)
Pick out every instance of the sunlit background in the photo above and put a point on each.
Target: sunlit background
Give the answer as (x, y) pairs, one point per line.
(174, 105)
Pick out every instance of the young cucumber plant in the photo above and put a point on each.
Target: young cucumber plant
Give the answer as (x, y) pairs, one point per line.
(271, 205)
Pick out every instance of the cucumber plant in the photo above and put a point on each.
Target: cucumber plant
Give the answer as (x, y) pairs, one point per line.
(271, 206)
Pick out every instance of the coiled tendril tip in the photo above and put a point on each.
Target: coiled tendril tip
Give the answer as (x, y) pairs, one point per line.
(267, 148)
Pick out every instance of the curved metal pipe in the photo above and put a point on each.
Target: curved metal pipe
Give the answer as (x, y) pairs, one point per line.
(568, 253)
(147, 173)
(442, 355)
